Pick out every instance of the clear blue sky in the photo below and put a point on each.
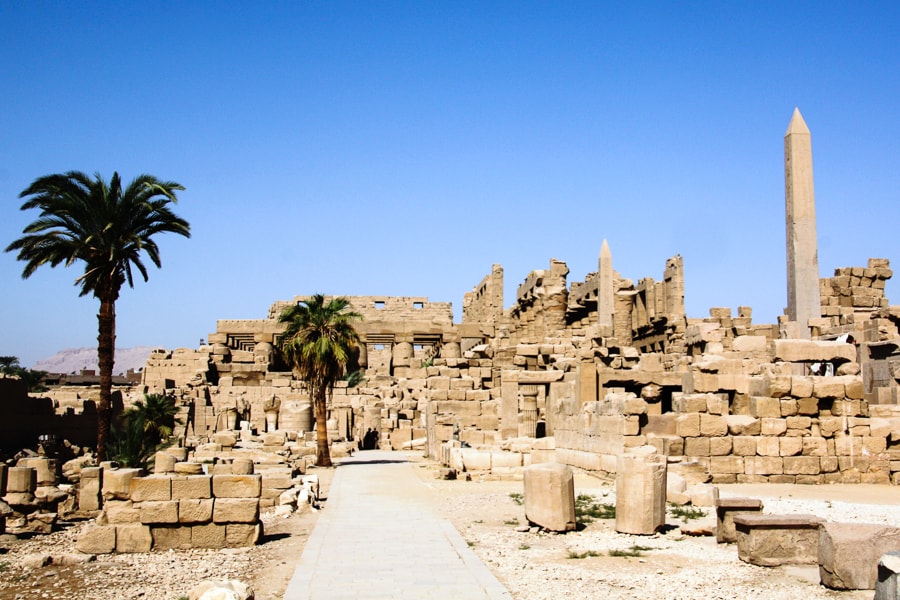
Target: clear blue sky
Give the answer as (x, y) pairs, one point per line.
(403, 148)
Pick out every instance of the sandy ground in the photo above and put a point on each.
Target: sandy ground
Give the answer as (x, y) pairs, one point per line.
(487, 513)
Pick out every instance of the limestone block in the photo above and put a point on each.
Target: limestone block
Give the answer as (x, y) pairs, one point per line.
(236, 486)
(550, 496)
(703, 494)
(789, 407)
(849, 553)
(154, 487)
(188, 468)
(764, 465)
(790, 446)
(853, 387)
(719, 465)
(163, 462)
(765, 407)
(133, 537)
(688, 425)
(97, 539)
(887, 587)
(808, 405)
(45, 469)
(742, 425)
(195, 510)
(828, 387)
(801, 465)
(226, 439)
(768, 446)
(798, 422)
(120, 512)
(475, 460)
(158, 512)
(89, 489)
(640, 493)
(713, 425)
(274, 438)
(720, 446)
(750, 343)
(774, 540)
(21, 480)
(117, 483)
(242, 466)
(192, 486)
(171, 538)
(696, 446)
(799, 350)
(814, 446)
(501, 459)
(208, 536)
(743, 446)
(774, 427)
(689, 403)
(727, 509)
(693, 472)
(238, 535)
(236, 510)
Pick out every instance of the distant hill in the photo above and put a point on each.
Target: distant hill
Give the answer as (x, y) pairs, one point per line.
(74, 360)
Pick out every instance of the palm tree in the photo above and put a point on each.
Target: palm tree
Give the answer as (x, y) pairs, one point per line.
(319, 342)
(142, 430)
(108, 228)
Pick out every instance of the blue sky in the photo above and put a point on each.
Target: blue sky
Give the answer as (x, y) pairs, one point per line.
(390, 148)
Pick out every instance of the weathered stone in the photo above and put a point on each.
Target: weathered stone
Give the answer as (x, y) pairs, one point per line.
(242, 534)
(209, 535)
(133, 537)
(773, 540)
(152, 488)
(640, 493)
(97, 539)
(192, 487)
(195, 510)
(117, 483)
(168, 537)
(235, 510)
(727, 509)
(236, 486)
(158, 512)
(888, 585)
(849, 553)
(550, 496)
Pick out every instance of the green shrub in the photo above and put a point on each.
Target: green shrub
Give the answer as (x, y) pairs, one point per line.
(587, 509)
(686, 513)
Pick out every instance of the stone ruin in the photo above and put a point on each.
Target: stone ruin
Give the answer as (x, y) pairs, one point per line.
(574, 373)
(580, 372)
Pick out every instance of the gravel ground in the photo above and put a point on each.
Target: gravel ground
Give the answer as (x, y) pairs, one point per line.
(673, 565)
(533, 565)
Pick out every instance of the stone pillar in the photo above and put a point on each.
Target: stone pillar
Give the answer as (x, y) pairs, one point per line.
(550, 496)
(804, 302)
(640, 492)
(509, 405)
(272, 419)
(528, 417)
(605, 293)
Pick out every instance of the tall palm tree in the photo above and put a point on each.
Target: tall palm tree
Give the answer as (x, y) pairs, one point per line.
(108, 228)
(318, 343)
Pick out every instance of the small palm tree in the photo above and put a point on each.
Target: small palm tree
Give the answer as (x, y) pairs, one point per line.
(142, 430)
(318, 343)
(9, 364)
(107, 227)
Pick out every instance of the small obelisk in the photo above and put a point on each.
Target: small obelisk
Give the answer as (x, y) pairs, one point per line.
(605, 292)
(804, 302)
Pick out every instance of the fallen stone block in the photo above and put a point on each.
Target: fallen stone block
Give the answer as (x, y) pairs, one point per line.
(550, 496)
(774, 540)
(133, 537)
(727, 509)
(849, 553)
(888, 585)
(640, 492)
(97, 539)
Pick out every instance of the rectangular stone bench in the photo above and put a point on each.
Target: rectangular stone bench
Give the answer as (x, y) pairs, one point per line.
(727, 509)
(773, 540)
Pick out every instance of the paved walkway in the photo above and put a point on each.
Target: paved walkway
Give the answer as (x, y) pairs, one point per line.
(377, 537)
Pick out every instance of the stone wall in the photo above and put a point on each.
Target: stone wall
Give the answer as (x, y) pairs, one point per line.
(172, 511)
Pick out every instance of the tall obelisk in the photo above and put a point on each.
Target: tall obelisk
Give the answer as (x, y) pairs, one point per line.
(605, 294)
(804, 302)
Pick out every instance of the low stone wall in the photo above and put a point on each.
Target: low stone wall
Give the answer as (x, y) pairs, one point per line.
(165, 511)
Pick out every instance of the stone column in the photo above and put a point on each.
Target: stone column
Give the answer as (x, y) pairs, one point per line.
(528, 417)
(804, 302)
(640, 493)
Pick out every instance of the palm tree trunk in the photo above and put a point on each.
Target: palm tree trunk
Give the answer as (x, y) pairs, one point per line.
(106, 348)
(323, 454)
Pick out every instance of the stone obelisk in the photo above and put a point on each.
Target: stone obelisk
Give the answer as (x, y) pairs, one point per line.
(605, 293)
(804, 302)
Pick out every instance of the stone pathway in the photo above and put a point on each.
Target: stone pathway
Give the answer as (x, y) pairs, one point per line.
(377, 537)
